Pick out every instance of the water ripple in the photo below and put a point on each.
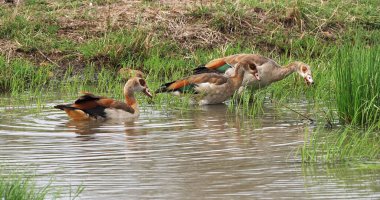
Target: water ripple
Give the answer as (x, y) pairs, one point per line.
(210, 152)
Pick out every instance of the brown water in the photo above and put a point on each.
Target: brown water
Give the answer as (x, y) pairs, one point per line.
(207, 153)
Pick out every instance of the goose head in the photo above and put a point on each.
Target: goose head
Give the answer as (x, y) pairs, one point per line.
(137, 84)
(305, 72)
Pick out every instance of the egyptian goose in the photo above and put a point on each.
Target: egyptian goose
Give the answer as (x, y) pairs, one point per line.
(268, 70)
(90, 106)
(210, 88)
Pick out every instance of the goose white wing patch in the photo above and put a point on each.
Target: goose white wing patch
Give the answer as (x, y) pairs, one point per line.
(176, 93)
(119, 114)
(204, 87)
(230, 72)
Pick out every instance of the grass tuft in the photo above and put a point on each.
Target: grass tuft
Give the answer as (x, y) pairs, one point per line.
(22, 185)
(345, 144)
(19, 76)
(357, 80)
(117, 47)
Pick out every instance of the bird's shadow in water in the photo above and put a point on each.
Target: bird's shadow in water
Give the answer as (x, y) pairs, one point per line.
(217, 116)
(87, 129)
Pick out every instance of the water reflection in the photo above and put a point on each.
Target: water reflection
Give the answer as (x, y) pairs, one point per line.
(202, 152)
(84, 127)
(347, 177)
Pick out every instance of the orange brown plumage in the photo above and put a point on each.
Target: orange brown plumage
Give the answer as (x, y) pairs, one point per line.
(90, 106)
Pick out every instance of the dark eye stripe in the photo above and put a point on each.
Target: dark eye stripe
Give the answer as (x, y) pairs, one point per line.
(142, 82)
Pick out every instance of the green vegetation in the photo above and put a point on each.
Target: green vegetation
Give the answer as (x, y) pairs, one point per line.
(348, 173)
(345, 144)
(357, 80)
(81, 45)
(20, 75)
(20, 185)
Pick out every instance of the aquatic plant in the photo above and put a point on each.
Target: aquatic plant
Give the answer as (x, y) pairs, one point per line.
(344, 144)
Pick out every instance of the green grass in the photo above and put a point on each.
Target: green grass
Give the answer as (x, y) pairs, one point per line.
(22, 185)
(353, 99)
(357, 81)
(349, 173)
(20, 76)
(342, 145)
(117, 47)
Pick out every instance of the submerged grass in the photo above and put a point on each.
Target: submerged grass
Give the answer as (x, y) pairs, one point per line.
(345, 144)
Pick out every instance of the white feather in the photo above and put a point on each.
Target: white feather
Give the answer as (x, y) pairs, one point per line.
(205, 87)
(230, 72)
(203, 102)
(119, 114)
(176, 93)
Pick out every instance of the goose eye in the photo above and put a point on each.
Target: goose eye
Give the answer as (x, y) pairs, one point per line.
(142, 82)
(252, 65)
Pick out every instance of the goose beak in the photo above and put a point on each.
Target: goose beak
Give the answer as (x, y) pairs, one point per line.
(257, 76)
(147, 92)
(309, 80)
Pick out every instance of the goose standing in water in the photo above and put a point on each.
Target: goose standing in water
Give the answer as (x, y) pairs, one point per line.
(268, 70)
(90, 106)
(211, 88)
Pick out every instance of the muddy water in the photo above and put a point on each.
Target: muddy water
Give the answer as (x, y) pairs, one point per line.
(177, 154)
